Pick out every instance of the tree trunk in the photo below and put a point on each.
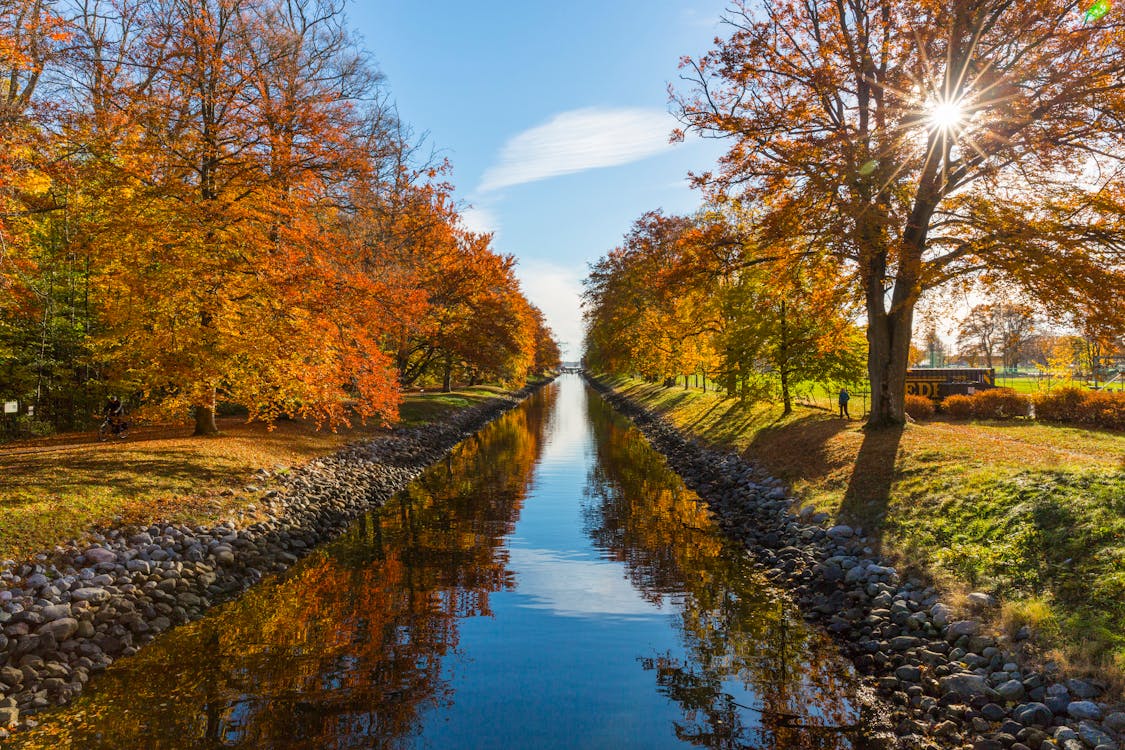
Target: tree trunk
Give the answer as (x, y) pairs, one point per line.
(205, 418)
(447, 375)
(786, 399)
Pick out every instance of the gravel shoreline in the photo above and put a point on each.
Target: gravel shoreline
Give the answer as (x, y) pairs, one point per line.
(948, 682)
(77, 609)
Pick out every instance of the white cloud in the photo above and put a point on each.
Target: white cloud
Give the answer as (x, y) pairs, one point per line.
(481, 220)
(579, 140)
(557, 291)
(574, 587)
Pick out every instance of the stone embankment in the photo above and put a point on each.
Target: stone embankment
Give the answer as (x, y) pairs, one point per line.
(74, 611)
(950, 683)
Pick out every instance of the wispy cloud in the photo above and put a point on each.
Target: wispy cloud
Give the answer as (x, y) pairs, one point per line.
(482, 220)
(579, 140)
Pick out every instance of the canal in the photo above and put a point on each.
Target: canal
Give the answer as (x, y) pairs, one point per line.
(550, 585)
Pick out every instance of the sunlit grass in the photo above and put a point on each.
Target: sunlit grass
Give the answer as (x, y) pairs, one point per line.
(1033, 512)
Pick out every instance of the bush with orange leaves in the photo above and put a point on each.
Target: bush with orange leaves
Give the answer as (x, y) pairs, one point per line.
(919, 407)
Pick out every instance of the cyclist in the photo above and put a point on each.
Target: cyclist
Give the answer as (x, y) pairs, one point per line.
(115, 415)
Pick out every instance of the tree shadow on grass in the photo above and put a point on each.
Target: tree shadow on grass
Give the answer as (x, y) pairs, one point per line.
(869, 488)
(831, 454)
(798, 450)
(170, 471)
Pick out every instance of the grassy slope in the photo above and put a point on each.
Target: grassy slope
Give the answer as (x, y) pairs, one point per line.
(52, 490)
(1033, 512)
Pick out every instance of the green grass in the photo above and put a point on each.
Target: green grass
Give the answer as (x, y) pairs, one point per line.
(1032, 512)
(55, 489)
(418, 408)
(1034, 384)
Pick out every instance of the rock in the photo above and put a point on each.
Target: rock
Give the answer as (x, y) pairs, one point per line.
(1084, 710)
(993, 712)
(62, 628)
(1093, 735)
(1011, 691)
(55, 612)
(11, 676)
(1115, 722)
(36, 581)
(100, 555)
(979, 600)
(90, 594)
(962, 628)
(843, 531)
(1033, 714)
(908, 673)
(1082, 690)
(940, 614)
(965, 684)
(9, 716)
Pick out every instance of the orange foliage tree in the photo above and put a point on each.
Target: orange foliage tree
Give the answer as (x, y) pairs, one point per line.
(922, 142)
(245, 218)
(687, 295)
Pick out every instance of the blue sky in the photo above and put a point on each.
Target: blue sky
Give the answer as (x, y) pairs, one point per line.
(555, 117)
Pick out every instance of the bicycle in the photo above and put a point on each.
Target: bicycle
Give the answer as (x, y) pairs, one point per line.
(113, 427)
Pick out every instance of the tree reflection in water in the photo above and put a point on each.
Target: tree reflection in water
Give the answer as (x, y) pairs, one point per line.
(754, 676)
(344, 650)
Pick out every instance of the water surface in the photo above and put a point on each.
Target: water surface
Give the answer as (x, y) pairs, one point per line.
(550, 585)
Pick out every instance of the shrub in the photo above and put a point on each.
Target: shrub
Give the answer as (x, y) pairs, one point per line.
(1000, 403)
(958, 406)
(1104, 409)
(1060, 404)
(919, 407)
(1078, 406)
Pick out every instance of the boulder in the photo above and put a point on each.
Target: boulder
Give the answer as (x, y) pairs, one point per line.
(100, 555)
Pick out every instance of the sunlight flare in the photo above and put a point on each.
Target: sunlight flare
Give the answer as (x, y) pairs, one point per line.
(946, 115)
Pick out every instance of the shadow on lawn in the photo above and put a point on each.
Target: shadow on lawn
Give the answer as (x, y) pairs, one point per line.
(831, 453)
(869, 488)
(171, 470)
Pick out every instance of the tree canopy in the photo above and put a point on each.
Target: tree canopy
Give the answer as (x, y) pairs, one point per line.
(915, 144)
(207, 201)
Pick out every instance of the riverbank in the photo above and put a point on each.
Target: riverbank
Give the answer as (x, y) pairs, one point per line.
(953, 683)
(75, 609)
(54, 489)
(1030, 513)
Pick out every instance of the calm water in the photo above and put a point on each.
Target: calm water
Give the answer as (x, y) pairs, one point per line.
(550, 585)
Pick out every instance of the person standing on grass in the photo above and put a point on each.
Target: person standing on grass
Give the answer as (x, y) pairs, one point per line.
(843, 401)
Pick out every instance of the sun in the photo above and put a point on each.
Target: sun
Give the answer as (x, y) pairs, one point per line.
(946, 115)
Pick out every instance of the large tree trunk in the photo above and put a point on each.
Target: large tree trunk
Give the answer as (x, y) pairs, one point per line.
(447, 375)
(888, 339)
(205, 418)
(889, 331)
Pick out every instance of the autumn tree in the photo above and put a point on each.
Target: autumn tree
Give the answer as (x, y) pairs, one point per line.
(687, 292)
(547, 354)
(919, 143)
(979, 333)
(1017, 322)
(243, 124)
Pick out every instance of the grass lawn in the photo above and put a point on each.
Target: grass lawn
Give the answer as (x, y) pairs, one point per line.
(54, 489)
(1032, 512)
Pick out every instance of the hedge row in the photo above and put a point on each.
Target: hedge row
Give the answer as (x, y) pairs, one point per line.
(1069, 405)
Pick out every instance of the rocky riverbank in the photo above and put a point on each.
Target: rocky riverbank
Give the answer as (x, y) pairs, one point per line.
(950, 683)
(75, 610)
